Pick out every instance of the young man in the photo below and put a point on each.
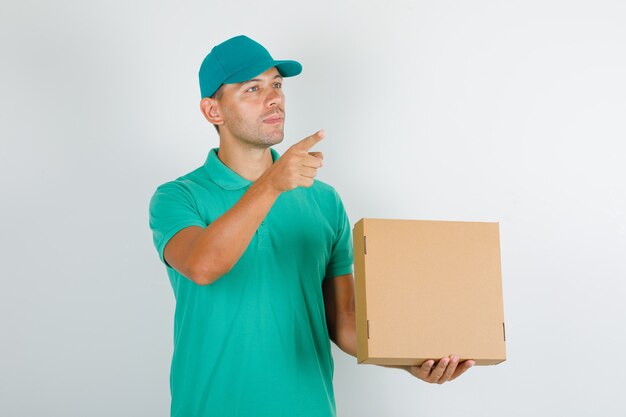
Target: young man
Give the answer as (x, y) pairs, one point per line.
(259, 255)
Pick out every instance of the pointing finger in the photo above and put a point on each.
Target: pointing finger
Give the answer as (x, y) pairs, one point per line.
(310, 141)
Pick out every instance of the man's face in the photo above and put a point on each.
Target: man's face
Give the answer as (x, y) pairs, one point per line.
(254, 111)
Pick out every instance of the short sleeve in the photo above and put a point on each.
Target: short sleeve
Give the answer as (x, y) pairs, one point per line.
(172, 208)
(341, 257)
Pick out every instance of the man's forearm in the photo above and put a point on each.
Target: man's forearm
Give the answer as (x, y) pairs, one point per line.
(345, 337)
(227, 238)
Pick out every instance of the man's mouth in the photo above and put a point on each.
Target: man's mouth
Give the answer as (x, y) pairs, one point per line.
(277, 118)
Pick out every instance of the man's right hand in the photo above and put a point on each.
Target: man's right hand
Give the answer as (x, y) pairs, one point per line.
(297, 166)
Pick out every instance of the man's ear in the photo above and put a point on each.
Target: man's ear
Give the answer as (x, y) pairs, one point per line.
(211, 110)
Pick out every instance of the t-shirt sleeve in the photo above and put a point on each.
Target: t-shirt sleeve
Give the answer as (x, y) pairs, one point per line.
(172, 208)
(341, 257)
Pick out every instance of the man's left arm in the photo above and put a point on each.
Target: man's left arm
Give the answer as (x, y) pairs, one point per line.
(340, 312)
(341, 322)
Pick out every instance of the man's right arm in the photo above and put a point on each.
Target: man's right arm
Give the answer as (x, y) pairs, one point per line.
(205, 254)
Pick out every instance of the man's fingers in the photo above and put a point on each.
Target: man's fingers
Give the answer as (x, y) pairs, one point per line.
(297, 167)
(426, 367)
(310, 141)
(446, 369)
(447, 376)
(463, 366)
(439, 369)
(312, 161)
(308, 172)
(317, 155)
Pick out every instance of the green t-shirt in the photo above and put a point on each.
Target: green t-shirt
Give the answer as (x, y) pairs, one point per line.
(255, 342)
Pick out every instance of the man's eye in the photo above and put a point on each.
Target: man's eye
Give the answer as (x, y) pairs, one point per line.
(254, 88)
(278, 85)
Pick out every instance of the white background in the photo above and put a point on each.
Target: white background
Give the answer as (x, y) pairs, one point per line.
(509, 111)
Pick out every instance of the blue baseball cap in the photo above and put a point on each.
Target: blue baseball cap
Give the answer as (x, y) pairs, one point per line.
(237, 60)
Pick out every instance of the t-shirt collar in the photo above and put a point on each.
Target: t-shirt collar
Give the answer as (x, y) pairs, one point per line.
(225, 177)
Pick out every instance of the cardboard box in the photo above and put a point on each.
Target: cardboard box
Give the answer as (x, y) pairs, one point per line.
(428, 289)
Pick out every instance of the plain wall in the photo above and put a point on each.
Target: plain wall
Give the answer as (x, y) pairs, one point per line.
(485, 111)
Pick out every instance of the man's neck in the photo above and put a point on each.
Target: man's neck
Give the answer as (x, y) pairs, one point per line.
(250, 162)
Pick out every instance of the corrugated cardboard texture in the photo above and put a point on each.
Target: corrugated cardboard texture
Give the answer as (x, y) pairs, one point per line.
(428, 289)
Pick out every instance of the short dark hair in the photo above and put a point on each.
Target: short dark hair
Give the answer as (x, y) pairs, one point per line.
(218, 96)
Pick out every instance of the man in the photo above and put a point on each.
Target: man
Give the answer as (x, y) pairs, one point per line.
(259, 255)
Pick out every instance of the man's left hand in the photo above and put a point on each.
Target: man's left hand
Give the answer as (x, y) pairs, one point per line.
(445, 370)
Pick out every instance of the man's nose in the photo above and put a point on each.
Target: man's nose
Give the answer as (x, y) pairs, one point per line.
(275, 96)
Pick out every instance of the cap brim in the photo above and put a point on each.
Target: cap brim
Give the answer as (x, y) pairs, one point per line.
(286, 68)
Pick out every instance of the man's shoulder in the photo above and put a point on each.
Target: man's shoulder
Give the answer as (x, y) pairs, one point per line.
(324, 188)
(189, 191)
(187, 182)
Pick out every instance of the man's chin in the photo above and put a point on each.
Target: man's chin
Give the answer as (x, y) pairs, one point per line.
(275, 139)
